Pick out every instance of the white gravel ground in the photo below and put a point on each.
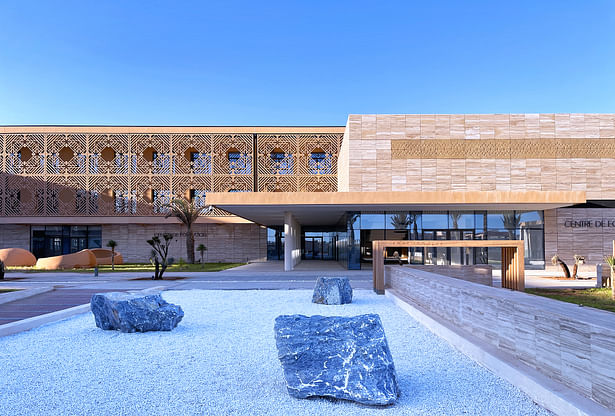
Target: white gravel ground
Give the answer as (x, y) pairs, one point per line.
(221, 360)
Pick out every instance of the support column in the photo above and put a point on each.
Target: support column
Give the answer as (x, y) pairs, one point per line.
(292, 242)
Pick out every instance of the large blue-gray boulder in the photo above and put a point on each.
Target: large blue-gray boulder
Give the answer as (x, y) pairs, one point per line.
(333, 356)
(332, 291)
(133, 312)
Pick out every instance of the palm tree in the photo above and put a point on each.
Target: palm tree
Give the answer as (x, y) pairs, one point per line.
(511, 223)
(112, 245)
(455, 217)
(187, 212)
(201, 249)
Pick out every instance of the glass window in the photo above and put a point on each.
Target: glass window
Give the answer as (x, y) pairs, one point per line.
(13, 163)
(435, 220)
(201, 163)
(281, 163)
(461, 220)
(94, 236)
(93, 202)
(398, 225)
(159, 200)
(198, 196)
(372, 221)
(239, 163)
(367, 236)
(533, 242)
(480, 220)
(530, 219)
(398, 221)
(78, 231)
(94, 159)
(125, 202)
(496, 219)
(162, 164)
(320, 163)
(80, 159)
(125, 164)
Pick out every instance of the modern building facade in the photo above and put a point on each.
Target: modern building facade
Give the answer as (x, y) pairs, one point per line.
(300, 193)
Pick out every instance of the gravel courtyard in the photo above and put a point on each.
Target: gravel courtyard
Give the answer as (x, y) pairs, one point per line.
(222, 360)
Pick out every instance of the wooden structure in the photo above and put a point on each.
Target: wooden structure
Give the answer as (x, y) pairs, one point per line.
(513, 267)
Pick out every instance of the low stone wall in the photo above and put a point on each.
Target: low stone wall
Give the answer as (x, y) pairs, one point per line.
(481, 274)
(570, 344)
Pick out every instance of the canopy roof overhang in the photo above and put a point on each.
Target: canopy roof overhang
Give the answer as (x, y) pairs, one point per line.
(328, 208)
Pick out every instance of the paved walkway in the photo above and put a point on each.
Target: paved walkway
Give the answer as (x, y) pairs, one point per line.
(73, 289)
(44, 303)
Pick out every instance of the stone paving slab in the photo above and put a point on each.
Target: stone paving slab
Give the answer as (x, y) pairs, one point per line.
(45, 303)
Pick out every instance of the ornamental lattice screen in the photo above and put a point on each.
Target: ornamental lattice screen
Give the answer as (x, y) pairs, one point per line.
(134, 174)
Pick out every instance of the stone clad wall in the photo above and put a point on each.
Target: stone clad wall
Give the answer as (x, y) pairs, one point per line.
(15, 236)
(479, 273)
(224, 242)
(572, 345)
(482, 152)
(591, 236)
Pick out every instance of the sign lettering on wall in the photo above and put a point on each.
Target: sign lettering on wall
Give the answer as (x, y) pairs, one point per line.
(599, 223)
(176, 235)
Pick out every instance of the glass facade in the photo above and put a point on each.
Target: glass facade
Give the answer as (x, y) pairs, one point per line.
(351, 242)
(55, 240)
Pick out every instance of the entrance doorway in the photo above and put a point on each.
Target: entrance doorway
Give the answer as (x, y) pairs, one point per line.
(313, 248)
(319, 245)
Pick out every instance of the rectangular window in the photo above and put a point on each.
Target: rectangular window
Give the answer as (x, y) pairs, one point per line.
(13, 163)
(197, 196)
(81, 160)
(94, 159)
(281, 163)
(320, 163)
(93, 202)
(125, 164)
(162, 164)
(125, 202)
(201, 163)
(159, 199)
(239, 163)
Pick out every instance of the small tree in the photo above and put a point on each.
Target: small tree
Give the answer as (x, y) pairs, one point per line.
(575, 269)
(112, 245)
(187, 212)
(201, 249)
(160, 254)
(610, 260)
(555, 260)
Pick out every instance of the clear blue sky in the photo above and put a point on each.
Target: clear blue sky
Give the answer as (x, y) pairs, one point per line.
(299, 62)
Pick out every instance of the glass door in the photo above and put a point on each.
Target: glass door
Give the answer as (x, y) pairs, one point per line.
(313, 248)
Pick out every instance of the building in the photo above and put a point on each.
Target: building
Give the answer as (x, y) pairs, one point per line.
(322, 193)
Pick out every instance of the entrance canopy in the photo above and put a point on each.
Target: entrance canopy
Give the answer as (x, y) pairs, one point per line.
(327, 208)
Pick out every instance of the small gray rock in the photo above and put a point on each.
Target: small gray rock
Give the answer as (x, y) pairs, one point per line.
(333, 356)
(332, 291)
(132, 312)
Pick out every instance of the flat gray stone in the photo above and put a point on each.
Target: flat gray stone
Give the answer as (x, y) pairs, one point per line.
(333, 356)
(132, 312)
(332, 291)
